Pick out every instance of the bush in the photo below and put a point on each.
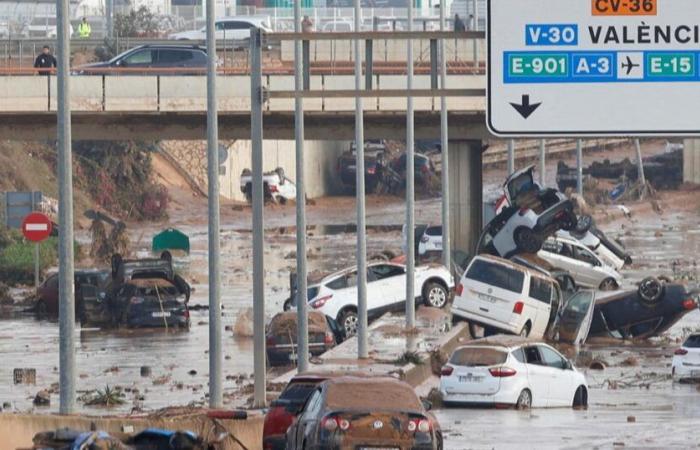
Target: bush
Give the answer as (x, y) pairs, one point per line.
(17, 260)
(137, 23)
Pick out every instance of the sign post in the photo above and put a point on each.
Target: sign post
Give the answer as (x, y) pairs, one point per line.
(593, 67)
(36, 227)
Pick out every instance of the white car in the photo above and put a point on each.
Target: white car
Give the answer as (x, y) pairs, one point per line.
(594, 244)
(502, 296)
(686, 360)
(585, 267)
(508, 370)
(230, 28)
(336, 295)
(44, 27)
(276, 186)
(431, 240)
(532, 214)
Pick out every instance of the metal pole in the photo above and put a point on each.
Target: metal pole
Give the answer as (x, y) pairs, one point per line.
(444, 143)
(511, 156)
(640, 164)
(110, 18)
(362, 351)
(256, 135)
(579, 166)
(37, 255)
(475, 42)
(66, 289)
(543, 163)
(302, 299)
(216, 399)
(410, 185)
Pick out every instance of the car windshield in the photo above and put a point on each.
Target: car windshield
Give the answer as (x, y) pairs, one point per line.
(434, 231)
(297, 392)
(496, 275)
(478, 357)
(371, 395)
(693, 341)
(522, 183)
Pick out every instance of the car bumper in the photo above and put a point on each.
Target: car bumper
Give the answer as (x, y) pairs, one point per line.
(484, 320)
(499, 398)
(683, 372)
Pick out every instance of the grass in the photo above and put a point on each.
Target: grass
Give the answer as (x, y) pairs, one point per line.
(17, 260)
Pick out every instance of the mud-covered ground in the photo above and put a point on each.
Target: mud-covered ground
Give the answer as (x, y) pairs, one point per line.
(663, 413)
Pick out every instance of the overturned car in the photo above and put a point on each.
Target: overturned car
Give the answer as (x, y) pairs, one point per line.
(531, 215)
(141, 293)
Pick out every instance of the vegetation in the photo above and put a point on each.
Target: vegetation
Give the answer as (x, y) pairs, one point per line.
(17, 256)
(139, 22)
(106, 397)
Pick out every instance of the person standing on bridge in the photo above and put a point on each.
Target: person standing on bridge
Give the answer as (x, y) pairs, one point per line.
(459, 24)
(307, 25)
(45, 61)
(84, 29)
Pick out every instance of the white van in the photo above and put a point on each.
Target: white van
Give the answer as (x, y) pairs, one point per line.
(498, 294)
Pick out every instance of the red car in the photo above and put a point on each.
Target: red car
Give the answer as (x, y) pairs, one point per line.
(87, 282)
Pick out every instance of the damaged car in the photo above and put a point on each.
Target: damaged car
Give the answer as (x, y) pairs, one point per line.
(530, 216)
(281, 336)
(374, 165)
(336, 295)
(276, 186)
(90, 282)
(585, 266)
(142, 293)
(654, 307)
(512, 371)
(686, 360)
(358, 412)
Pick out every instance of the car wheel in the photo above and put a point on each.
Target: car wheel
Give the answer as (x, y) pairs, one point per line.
(435, 295)
(349, 321)
(650, 290)
(527, 240)
(42, 311)
(287, 305)
(583, 224)
(581, 398)
(525, 332)
(609, 284)
(570, 222)
(524, 400)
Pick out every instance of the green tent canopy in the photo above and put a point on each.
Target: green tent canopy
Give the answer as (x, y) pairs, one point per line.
(171, 239)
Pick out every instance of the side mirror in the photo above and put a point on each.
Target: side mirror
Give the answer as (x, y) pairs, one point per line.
(427, 405)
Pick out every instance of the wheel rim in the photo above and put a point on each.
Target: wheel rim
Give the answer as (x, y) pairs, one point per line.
(524, 401)
(524, 332)
(350, 325)
(608, 285)
(527, 240)
(650, 289)
(437, 297)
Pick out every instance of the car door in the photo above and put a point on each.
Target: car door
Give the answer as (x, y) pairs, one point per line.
(538, 376)
(560, 391)
(390, 283)
(308, 419)
(173, 58)
(140, 59)
(574, 323)
(590, 273)
(238, 30)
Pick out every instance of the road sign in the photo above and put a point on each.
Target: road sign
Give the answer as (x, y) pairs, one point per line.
(18, 205)
(593, 67)
(36, 227)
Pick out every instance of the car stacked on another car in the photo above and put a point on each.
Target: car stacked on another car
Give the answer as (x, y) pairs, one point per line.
(364, 413)
(512, 371)
(374, 165)
(336, 295)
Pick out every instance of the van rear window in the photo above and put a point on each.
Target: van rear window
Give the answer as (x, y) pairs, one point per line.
(496, 275)
(478, 357)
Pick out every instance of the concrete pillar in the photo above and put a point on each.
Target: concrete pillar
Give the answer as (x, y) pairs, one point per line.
(691, 161)
(465, 194)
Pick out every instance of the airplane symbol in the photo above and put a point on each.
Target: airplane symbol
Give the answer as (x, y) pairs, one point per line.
(629, 65)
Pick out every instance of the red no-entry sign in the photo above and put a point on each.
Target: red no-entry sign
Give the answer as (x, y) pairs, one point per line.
(36, 227)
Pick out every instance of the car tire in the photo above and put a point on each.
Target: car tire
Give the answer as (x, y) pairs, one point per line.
(435, 295)
(608, 284)
(650, 291)
(524, 401)
(580, 398)
(287, 305)
(569, 224)
(527, 240)
(42, 311)
(525, 332)
(583, 224)
(348, 320)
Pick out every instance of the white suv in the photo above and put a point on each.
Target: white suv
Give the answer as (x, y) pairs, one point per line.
(336, 295)
(498, 294)
(230, 28)
(586, 267)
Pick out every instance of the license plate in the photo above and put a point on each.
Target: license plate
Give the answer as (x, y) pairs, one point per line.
(469, 378)
(487, 298)
(161, 314)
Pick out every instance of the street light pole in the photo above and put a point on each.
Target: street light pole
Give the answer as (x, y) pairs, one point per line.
(444, 142)
(410, 184)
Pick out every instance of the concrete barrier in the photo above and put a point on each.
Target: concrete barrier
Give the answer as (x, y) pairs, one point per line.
(24, 93)
(128, 93)
(17, 430)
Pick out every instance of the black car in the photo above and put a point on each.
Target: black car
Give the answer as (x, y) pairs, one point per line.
(423, 168)
(374, 165)
(649, 311)
(141, 293)
(173, 59)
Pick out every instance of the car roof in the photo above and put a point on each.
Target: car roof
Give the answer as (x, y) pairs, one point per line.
(354, 268)
(322, 376)
(171, 47)
(502, 340)
(512, 265)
